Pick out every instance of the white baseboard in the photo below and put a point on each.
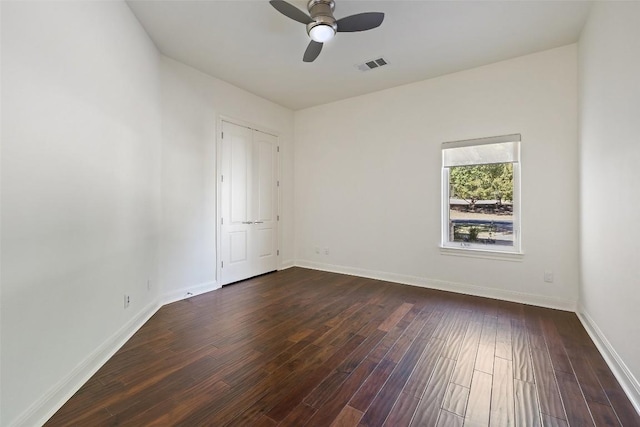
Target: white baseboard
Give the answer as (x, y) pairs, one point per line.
(42, 409)
(190, 291)
(462, 288)
(286, 264)
(623, 374)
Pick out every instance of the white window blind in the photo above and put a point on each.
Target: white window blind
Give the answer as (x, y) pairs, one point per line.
(497, 149)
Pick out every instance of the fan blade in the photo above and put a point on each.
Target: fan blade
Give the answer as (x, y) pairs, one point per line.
(290, 11)
(312, 52)
(360, 22)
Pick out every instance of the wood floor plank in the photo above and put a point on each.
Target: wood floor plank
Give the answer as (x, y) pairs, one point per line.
(390, 340)
(332, 407)
(89, 399)
(479, 406)
(522, 364)
(348, 417)
(407, 402)
(550, 401)
(345, 314)
(549, 421)
(556, 347)
(431, 400)
(402, 410)
(587, 379)
(99, 416)
(326, 389)
(261, 421)
(298, 336)
(375, 383)
(576, 407)
(277, 405)
(395, 317)
(424, 368)
(487, 346)
(455, 399)
(534, 328)
(298, 389)
(603, 415)
(386, 397)
(447, 419)
(502, 396)
(621, 405)
(142, 397)
(527, 409)
(464, 368)
(298, 416)
(575, 337)
(368, 391)
(459, 325)
(503, 338)
(399, 349)
(290, 352)
(302, 347)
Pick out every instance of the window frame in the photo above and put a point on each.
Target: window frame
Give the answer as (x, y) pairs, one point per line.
(449, 247)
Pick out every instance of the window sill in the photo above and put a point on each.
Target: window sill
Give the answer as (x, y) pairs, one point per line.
(482, 253)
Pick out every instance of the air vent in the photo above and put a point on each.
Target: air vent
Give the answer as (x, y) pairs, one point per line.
(373, 64)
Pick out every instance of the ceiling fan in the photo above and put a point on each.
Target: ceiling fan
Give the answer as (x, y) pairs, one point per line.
(322, 26)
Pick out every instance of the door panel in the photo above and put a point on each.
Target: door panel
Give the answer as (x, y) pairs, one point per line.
(265, 212)
(264, 242)
(240, 146)
(265, 169)
(238, 247)
(234, 202)
(248, 197)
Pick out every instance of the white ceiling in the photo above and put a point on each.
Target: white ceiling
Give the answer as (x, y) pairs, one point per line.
(251, 45)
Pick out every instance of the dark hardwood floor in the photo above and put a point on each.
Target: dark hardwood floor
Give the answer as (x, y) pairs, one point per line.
(302, 347)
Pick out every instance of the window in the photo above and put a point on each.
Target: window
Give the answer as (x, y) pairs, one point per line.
(481, 200)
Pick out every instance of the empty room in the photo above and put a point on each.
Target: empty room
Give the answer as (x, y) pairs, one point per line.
(319, 213)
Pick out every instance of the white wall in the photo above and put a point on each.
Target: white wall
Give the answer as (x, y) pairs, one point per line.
(609, 66)
(368, 178)
(192, 104)
(108, 184)
(81, 147)
(105, 144)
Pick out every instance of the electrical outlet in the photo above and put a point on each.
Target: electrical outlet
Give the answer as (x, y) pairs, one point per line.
(326, 251)
(127, 301)
(548, 276)
(148, 284)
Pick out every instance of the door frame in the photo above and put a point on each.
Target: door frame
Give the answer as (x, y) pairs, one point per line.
(243, 123)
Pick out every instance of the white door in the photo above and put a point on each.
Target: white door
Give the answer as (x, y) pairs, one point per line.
(249, 196)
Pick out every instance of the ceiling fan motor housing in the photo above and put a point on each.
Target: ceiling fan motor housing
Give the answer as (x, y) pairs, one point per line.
(321, 12)
(321, 24)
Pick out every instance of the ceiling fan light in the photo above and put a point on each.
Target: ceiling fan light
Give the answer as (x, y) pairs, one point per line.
(322, 33)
